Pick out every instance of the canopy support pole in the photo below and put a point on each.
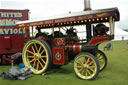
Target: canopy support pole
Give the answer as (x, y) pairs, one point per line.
(32, 32)
(88, 32)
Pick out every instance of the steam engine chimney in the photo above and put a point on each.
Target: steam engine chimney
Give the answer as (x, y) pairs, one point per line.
(87, 5)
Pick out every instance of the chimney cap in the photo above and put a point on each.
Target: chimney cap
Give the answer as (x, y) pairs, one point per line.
(87, 5)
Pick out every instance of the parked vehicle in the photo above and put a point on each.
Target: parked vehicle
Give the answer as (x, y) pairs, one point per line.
(45, 51)
(11, 38)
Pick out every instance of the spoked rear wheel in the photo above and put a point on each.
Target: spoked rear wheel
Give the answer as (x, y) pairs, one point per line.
(102, 58)
(86, 66)
(36, 54)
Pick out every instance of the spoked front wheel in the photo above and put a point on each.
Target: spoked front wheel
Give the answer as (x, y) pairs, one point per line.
(86, 66)
(36, 54)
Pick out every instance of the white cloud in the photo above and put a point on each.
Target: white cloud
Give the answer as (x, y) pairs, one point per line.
(45, 8)
(12, 5)
(120, 31)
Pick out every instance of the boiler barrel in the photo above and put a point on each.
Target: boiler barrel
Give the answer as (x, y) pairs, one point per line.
(78, 48)
(90, 49)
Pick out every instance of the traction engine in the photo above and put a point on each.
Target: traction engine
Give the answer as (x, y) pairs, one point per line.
(47, 51)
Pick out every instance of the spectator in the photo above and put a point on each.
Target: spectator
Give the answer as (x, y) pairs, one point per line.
(108, 47)
(122, 37)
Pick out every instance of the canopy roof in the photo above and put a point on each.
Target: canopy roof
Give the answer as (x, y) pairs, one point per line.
(79, 18)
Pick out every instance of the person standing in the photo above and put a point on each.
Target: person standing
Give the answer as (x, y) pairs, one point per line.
(122, 37)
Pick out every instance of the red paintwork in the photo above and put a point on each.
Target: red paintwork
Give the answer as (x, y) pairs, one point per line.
(59, 41)
(24, 13)
(98, 39)
(13, 43)
(41, 38)
(62, 46)
(76, 48)
(48, 23)
(66, 57)
(60, 56)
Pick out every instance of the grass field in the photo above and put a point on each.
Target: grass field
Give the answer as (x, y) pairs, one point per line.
(116, 72)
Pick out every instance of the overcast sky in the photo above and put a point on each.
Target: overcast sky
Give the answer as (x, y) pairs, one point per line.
(44, 8)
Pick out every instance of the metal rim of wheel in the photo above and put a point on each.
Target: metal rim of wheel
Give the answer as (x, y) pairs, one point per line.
(102, 58)
(86, 66)
(36, 56)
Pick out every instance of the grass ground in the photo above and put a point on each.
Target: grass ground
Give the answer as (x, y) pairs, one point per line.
(116, 72)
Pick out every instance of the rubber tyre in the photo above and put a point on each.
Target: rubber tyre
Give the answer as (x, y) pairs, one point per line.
(91, 60)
